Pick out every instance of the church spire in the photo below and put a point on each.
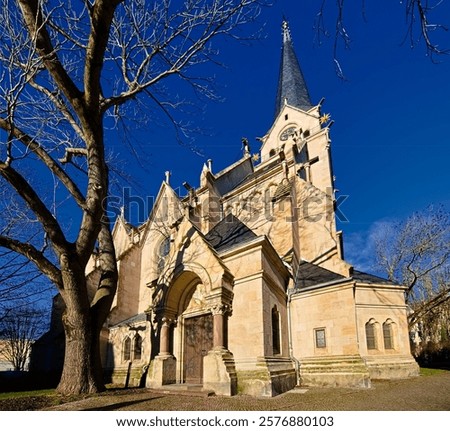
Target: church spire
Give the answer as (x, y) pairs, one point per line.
(291, 84)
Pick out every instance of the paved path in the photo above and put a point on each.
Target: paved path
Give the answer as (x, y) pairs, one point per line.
(420, 393)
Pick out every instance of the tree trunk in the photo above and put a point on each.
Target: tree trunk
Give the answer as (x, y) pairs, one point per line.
(80, 373)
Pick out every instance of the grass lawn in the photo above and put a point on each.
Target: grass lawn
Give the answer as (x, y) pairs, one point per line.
(38, 393)
(431, 371)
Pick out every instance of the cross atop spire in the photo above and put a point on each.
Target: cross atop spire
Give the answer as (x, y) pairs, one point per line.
(286, 31)
(291, 84)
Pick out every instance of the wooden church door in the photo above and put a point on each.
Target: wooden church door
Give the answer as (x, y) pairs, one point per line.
(198, 341)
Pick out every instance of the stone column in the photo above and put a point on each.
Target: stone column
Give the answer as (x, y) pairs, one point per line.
(219, 373)
(219, 317)
(164, 340)
(307, 166)
(163, 368)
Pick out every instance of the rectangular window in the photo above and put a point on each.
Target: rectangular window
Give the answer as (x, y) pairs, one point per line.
(320, 338)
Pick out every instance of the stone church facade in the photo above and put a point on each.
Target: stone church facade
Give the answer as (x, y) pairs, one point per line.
(241, 286)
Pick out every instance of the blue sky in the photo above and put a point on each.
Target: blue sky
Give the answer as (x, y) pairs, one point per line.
(390, 141)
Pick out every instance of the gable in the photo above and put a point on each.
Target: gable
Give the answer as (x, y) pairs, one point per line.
(167, 210)
(291, 126)
(191, 249)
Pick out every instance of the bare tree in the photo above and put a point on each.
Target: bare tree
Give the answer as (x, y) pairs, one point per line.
(19, 328)
(67, 68)
(422, 20)
(416, 254)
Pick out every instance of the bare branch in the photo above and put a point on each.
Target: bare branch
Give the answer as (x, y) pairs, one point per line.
(70, 152)
(36, 25)
(27, 193)
(35, 256)
(45, 158)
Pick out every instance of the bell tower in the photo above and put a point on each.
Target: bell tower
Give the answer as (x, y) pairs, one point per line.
(300, 130)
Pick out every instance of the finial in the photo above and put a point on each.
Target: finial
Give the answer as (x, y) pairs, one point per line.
(209, 161)
(167, 174)
(286, 32)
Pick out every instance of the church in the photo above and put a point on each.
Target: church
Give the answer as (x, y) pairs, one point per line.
(240, 286)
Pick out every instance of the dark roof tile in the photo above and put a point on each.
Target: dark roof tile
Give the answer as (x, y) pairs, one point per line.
(228, 233)
(311, 275)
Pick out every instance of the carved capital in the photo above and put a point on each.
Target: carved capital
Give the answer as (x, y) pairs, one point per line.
(220, 309)
(167, 321)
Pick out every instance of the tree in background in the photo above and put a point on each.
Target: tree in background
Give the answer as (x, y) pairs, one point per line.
(69, 70)
(19, 328)
(423, 20)
(416, 253)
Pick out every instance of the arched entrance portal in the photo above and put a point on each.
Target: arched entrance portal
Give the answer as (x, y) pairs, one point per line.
(192, 323)
(194, 332)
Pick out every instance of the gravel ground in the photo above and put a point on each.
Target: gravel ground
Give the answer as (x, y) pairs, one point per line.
(420, 393)
(431, 392)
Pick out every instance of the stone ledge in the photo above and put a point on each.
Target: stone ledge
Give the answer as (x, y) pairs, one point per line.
(265, 377)
(334, 371)
(392, 367)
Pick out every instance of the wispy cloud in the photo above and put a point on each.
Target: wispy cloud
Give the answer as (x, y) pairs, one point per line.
(359, 247)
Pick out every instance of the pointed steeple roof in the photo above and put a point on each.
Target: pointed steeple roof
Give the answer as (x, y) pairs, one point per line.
(291, 84)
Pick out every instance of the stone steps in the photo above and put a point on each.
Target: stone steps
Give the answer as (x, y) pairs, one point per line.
(184, 389)
(334, 371)
(334, 363)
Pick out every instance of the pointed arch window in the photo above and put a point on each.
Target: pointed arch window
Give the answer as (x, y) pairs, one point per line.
(163, 252)
(371, 335)
(137, 347)
(276, 331)
(388, 337)
(126, 349)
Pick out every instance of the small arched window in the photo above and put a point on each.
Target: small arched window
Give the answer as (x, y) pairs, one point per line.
(371, 336)
(276, 331)
(126, 349)
(388, 337)
(137, 348)
(272, 152)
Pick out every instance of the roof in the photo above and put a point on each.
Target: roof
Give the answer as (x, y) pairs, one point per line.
(291, 83)
(229, 232)
(229, 178)
(142, 317)
(363, 277)
(311, 275)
